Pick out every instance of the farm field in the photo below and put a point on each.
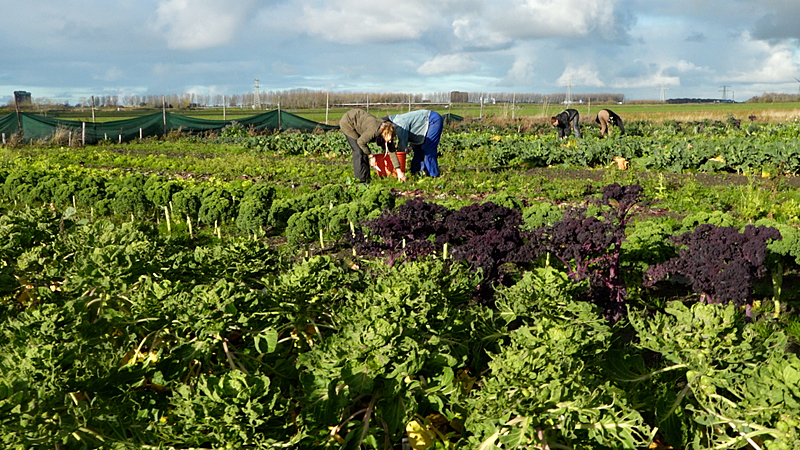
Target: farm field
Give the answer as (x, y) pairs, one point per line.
(241, 291)
(692, 112)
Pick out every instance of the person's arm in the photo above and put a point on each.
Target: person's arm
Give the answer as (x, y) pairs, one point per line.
(396, 164)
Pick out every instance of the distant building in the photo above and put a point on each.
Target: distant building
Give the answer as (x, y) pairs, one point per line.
(459, 97)
(22, 97)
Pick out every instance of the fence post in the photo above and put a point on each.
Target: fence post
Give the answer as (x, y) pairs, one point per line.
(140, 134)
(513, 104)
(120, 139)
(4, 139)
(83, 134)
(164, 112)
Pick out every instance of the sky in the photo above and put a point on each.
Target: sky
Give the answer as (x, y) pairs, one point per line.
(72, 49)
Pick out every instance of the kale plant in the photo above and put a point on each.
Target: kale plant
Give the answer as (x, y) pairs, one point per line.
(283, 208)
(403, 231)
(186, 203)
(159, 190)
(590, 247)
(217, 206)
(254, 208)
(485, 235)
(721, 263)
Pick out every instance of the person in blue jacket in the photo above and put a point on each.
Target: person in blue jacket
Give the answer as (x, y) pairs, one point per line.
(420, 130)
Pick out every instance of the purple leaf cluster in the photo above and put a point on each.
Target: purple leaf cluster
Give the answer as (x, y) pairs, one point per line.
(590, 247)
(721, 262)
(485, 235)
(403, 231)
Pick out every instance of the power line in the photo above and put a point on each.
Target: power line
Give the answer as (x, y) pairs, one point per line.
(568, 99)
(258, 96)
(724, 90)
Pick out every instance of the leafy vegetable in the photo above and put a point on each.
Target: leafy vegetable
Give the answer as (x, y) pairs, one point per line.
(721, 263)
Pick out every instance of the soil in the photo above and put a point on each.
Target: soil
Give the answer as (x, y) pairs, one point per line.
(703, 179)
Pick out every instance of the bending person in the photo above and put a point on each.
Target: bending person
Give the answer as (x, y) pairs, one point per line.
(362, 128)
(606, 117)
(562, 122)
(420, 130)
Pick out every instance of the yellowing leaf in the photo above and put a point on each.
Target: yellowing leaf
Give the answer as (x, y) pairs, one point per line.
(419, 436)
(622, 163)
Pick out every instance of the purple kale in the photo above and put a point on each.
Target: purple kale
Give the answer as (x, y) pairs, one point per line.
(476, 220)
(721, 263)
(484, 235)
(487, 236)
(590, 247)
(403, 231)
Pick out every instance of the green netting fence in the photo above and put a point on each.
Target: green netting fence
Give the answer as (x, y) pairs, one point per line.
(157, 124)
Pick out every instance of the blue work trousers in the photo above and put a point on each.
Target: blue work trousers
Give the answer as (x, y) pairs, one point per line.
(426, 155)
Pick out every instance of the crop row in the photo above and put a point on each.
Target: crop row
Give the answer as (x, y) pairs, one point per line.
(246, 207)
(772, 149)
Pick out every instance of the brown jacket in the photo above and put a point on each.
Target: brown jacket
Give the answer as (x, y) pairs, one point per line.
(362, 126)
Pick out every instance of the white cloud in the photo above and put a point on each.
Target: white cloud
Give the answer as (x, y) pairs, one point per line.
(448, 64)
(199, 24)
(762, 62)
(474, 33)
(584, 75)
(652, 81)
(521, 73)
(358, 22)
(686, 67)
(551, 18)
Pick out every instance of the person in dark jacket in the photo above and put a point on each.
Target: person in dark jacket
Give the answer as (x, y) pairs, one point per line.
(606, 117)
(361, 129)
(563, 121)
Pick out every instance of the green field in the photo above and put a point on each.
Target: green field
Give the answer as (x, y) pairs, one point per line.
(245, 292)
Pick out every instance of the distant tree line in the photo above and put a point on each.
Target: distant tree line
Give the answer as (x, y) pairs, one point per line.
(678, 101)
(774, 97)
(305, 98)
(508, 97)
